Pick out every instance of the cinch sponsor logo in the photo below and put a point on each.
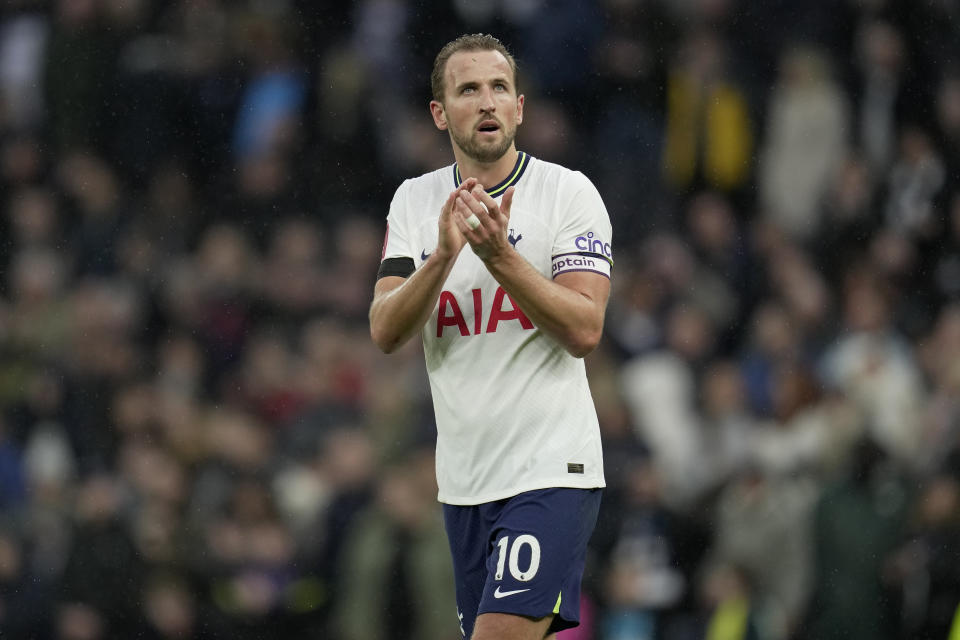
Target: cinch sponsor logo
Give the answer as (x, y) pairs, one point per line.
(593, 245)
(569, 262)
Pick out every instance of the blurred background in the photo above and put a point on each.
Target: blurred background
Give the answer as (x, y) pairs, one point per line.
(198, 439)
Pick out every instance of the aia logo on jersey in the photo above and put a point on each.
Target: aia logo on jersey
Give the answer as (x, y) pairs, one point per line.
(450, 315)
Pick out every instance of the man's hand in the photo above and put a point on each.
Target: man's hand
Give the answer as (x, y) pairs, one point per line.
(489, 239)
(401, 306)
(450, 240)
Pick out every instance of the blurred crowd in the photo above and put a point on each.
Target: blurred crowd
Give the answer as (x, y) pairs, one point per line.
(198, 439)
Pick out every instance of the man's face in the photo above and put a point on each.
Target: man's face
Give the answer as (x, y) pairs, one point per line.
(481, 108)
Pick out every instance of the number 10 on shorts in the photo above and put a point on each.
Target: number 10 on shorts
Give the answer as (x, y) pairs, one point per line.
(519, 542)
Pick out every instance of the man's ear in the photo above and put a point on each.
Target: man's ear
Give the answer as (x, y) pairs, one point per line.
(439, 116)
(520, 109)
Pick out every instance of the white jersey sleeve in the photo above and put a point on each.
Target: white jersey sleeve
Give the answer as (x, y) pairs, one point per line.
(397, 243)
(583, 241)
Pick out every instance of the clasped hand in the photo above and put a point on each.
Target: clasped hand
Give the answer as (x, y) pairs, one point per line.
(486, 232)
(482, 221)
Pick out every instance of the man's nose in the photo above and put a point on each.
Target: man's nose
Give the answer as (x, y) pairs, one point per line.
(487, 103)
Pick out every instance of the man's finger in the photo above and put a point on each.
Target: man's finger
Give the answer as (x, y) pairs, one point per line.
(487, 201)
(507, 202)
(448, 206)
(464, 212)
(460, 215)
(474, 205)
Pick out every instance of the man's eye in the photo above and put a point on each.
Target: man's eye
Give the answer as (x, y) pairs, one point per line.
(500, 87)
(468, 90)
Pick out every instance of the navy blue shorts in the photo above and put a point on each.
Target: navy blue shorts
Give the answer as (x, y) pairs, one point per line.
(522, 555)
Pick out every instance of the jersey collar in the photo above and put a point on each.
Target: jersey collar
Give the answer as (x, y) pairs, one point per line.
(523, 159)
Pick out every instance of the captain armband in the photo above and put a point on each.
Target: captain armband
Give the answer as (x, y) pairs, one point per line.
(580, 261)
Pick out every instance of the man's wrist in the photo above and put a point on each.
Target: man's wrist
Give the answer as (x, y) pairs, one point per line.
(443, 256)
(501, 259)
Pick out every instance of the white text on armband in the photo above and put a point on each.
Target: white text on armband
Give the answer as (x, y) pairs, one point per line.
(580, 261)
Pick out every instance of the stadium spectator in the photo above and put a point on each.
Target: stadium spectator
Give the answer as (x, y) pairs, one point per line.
(394, 563)
(709, 126)
(807, 125)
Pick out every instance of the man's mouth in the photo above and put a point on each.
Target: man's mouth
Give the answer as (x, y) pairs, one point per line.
(488, 126)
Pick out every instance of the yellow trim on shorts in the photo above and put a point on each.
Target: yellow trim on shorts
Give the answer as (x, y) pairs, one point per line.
(556, 609)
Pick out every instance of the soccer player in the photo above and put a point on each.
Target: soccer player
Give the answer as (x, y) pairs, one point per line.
(505, 325)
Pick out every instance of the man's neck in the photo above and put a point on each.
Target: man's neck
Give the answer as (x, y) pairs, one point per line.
(488, 174)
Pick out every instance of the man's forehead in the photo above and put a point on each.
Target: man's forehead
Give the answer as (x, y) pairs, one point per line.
(464, 63)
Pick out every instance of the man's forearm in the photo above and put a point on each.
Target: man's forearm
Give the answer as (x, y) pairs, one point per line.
(400, 310)
(570, 317)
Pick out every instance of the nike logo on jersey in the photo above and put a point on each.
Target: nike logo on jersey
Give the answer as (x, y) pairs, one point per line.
(504, 594)
(424, 255)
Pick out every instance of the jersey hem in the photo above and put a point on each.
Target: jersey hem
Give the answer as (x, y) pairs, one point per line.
(460, 501)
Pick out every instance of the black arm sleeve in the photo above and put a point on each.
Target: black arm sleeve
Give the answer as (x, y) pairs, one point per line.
(402, 267)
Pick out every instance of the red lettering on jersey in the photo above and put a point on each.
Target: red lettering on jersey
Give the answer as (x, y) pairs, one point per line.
(497, 312)
(477, 311)
(454, 319)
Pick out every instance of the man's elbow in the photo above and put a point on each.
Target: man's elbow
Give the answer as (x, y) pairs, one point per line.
(582, 343)
(387, 342)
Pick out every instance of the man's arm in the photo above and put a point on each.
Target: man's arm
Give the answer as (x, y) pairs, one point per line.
(401, 306)
(569, 308)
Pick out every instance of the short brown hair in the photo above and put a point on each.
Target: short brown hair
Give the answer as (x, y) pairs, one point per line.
(469, 42)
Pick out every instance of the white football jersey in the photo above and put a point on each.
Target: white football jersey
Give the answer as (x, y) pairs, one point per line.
(513, 408)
